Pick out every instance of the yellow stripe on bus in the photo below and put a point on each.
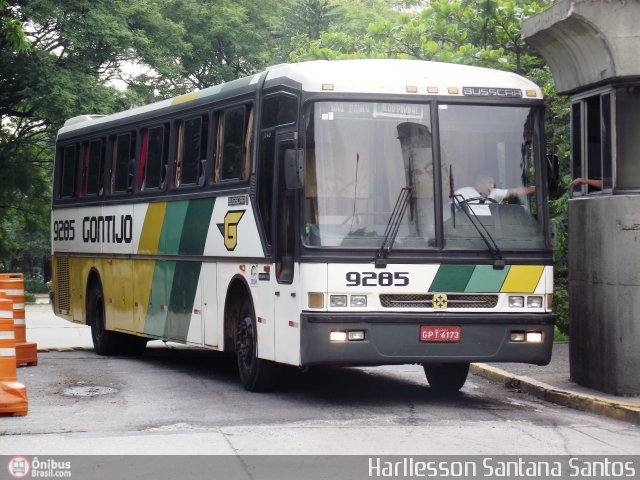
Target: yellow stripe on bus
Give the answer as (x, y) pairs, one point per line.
(522, 279)
(152, 227)
(187, 97)
(143, 272)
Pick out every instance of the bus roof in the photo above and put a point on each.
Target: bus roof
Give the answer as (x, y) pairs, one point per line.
(368, 76)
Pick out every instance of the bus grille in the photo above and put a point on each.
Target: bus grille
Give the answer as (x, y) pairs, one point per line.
(426, 301)
(63, 288)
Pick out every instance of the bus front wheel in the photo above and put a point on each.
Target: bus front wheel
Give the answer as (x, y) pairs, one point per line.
(446, 377)
(256, 374)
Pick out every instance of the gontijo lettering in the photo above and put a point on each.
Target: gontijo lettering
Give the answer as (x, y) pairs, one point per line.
(107, 229)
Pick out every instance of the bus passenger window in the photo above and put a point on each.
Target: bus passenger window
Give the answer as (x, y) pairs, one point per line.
(69, 169)
(191, 151)
(153, 158)
(232, 132)
(122, 163)
(93, 168)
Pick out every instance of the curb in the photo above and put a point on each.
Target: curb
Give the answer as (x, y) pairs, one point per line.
(588, 403)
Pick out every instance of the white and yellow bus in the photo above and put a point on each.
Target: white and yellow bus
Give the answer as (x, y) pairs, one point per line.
(314, 213)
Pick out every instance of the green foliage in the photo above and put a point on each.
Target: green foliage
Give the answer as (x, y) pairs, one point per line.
(58, 59)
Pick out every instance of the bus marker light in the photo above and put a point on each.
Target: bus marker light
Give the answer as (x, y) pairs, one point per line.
(412, 89)
(196, 311)
(262, 320)
(358, 300)
(338, 336)
(432, 89)
(534, 337)
(338, 300)
(531, 93)
(315, 299)
(267, 268)
(534, 301)
(293, 324)
(549, 300)
(453, 90)
(517, 336)
(327, 86)
(355, 335)
(516, 302)
(243, 267)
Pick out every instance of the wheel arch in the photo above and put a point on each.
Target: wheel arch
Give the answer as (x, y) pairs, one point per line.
(237, 292)
(93, 279)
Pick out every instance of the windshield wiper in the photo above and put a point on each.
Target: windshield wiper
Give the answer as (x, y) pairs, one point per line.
(393, 226)
(492, 246)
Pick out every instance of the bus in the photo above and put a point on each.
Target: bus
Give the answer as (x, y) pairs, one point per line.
(313, 214)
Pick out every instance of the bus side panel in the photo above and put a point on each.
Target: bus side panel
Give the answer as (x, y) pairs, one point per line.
(117, 286)
(210, 318)
(79, 269)
(143, 280)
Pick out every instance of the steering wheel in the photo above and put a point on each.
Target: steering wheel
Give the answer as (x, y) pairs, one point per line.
(477, 201)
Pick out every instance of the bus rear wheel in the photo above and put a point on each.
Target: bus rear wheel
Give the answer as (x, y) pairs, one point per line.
(256, 374)
(446, 377)
(104, 341)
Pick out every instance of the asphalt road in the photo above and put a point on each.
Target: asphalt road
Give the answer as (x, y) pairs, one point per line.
(187, 401)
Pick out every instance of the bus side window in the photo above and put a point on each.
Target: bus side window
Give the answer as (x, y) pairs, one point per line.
(122, 163)
(279, 110)
(93, 168)
(233, 159)
(192, 144)
(69, 171)
(155, 154)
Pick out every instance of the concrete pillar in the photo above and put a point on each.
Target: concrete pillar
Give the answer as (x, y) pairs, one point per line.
(591, 47)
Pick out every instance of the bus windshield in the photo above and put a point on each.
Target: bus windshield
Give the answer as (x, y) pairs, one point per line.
(361, 155)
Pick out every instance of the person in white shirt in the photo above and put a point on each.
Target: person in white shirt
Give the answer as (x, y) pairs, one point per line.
(484, 191)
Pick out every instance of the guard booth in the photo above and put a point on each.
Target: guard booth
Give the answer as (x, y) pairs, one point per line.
(592, 48)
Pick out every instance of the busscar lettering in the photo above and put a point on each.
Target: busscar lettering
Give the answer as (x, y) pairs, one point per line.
(107, 229)
(491, 92)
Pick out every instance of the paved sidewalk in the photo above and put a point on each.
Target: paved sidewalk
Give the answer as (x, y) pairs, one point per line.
(553, 383)
(550, 383)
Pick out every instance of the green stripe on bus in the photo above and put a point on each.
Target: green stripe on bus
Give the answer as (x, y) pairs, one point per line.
(172, 227)
(196, 226)
(452, 278)
(486, 279)
(156, 321)
(183, 292)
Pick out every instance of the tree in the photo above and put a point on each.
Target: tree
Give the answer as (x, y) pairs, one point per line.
(56, 61)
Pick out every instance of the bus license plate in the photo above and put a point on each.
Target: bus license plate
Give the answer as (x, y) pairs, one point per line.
(439, 334)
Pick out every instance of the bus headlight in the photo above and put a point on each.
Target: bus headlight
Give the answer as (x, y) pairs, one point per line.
(358, 301)
(338, 301)
(516, 302)
(534, 302)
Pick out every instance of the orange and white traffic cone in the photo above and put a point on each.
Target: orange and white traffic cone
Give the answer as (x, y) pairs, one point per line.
(12, 284)
(13, 395)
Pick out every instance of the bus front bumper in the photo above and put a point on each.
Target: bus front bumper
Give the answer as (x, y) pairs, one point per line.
(394, 338)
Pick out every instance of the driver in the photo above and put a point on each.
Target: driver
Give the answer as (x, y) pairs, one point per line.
(484, 189)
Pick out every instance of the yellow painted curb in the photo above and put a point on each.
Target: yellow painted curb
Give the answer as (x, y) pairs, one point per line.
(628, 412)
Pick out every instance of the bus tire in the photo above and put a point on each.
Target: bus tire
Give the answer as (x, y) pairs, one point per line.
(104, 341)
(255, 373)
(446, 377)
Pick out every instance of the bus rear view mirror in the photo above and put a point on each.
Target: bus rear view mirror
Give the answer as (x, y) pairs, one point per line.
(293, 168)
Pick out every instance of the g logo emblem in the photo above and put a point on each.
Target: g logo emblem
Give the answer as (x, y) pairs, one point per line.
(229, 229)
(440, 301)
